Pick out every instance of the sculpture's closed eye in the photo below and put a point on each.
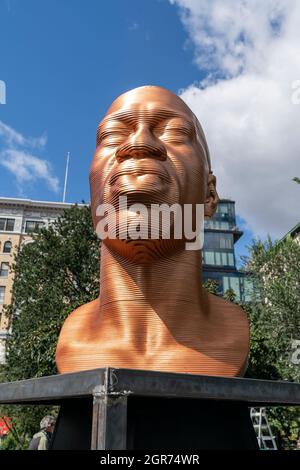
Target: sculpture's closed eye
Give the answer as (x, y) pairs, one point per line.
(175, 135)
(113, 137)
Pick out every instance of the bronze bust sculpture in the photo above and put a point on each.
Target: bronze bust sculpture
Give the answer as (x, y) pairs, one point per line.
(152, 312)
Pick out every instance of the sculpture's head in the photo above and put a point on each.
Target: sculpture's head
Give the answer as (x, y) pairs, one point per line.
(152, 149)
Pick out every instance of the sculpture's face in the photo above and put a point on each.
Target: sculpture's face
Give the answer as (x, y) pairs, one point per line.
(149, 150)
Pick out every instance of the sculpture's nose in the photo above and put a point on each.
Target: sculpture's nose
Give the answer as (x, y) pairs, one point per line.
(142, 144)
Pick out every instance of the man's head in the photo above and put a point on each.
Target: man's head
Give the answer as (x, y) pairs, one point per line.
(151, 149)
(48, 423)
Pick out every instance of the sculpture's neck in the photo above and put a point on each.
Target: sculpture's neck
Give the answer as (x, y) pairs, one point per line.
(138, 299)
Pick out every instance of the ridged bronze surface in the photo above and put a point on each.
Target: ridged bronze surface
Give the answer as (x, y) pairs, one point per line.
(152, 312)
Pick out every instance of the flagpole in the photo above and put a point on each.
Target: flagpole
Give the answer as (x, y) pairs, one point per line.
(66, 177)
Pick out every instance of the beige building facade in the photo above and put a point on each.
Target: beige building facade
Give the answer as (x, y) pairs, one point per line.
(19, 218)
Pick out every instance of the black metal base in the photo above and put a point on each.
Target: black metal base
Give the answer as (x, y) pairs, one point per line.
(175, 423)
(163, 424)
(73, 428)
(115, 409)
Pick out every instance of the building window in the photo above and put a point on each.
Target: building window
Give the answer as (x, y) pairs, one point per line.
(225, 283)
(224, 225)
(7, 225)
(211, 240)
(232, 282)
(33, 226)
(4, 269)
(7, 247)
(249, 289)
(226, 208)
(224, 259)
(226, 241)
(209, 257)
(218, 258)
(2, 293)
(216, 225)
(230, 259)
(218, 241)
(223, 208)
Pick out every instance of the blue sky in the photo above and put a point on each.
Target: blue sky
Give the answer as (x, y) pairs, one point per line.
(64, 61)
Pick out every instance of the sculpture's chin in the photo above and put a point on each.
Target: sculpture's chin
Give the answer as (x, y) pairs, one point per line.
(144, 189)
(145, 196)
(144, 251)
(140, 183)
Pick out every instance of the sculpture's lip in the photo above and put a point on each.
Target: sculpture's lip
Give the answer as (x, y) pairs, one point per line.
(140, 169)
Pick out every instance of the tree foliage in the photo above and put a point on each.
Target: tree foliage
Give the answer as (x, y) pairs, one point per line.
(211, 286)
(53, 275)
(275, 313)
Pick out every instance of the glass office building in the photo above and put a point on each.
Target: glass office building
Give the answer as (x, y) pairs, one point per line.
(219, 263)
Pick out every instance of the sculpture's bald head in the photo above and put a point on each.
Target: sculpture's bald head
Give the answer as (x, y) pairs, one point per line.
(149, 93)
(158, 98)
(152, 149)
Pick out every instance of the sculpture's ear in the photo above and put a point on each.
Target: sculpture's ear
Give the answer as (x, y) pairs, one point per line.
(212, 197)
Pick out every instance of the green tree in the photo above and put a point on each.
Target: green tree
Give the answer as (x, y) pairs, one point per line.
(274, 315)
(211, 286)
(53, 275)
(275, 318)
(273, 268)
(230, 295)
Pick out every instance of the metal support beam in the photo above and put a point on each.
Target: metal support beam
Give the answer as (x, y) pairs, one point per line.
(108, 409)
(109, 428)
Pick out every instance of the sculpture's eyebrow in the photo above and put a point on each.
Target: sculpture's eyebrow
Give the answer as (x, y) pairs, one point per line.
(152, 116)
(155, 116)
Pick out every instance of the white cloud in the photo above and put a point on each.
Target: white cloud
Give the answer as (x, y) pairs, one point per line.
(28, 168)
(250, 53)
(16, 157)
(12, 137)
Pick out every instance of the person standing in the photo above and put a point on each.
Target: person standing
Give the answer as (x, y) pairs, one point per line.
(42, 439)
